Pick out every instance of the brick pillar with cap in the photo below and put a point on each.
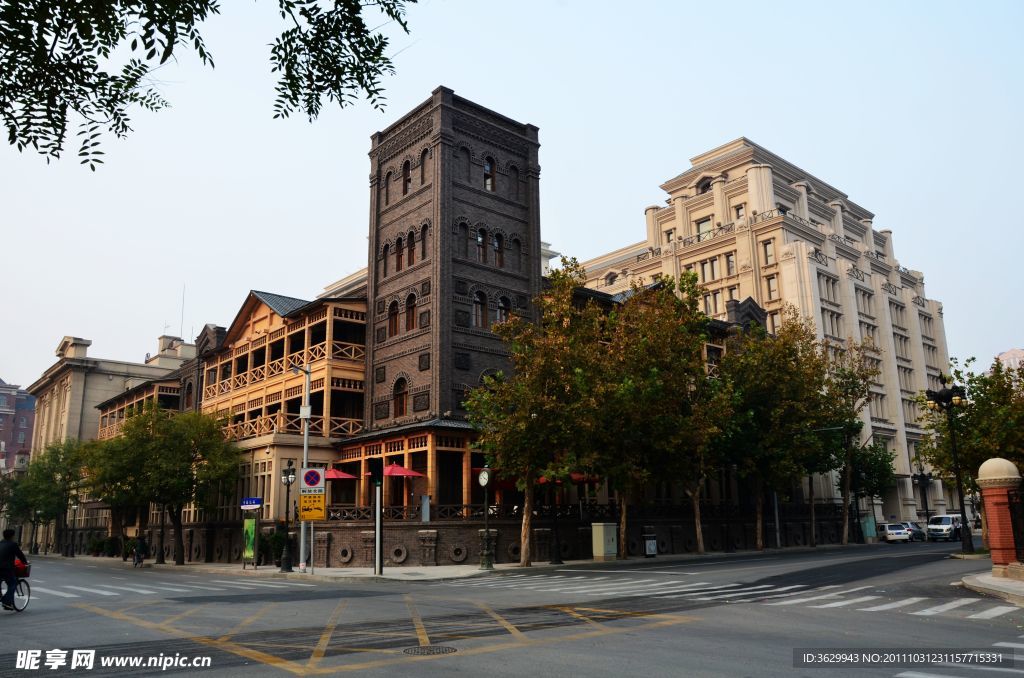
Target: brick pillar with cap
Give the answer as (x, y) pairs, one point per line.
(996, 477)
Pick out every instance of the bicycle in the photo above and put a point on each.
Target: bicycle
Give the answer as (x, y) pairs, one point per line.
(22, 594)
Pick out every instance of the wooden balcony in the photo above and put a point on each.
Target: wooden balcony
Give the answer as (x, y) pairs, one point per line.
(337, 427)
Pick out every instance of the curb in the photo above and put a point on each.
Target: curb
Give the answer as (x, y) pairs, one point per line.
(971, 582)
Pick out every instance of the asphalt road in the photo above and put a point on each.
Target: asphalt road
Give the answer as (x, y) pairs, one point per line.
(737, 615)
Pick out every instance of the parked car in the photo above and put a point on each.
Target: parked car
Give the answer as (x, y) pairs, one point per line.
(916, 532)
(895, 532)
(944, 527)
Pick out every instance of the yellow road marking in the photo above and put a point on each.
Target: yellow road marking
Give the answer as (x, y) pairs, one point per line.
(325, 637)
(576, 615)
(501, 620)
(177, 617)
(233, 648)
(245, 622)
(417, 621)
(670, 620)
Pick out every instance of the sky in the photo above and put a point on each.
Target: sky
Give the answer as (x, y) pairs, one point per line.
(913, 109)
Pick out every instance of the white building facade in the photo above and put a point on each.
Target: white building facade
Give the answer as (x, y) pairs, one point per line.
(751, 224)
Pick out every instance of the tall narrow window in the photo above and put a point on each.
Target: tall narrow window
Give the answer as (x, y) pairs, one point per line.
(393, 319)
(410, 313)
(387, 188)
(462, 246)
(498, 243)
(517, 256)
(423, 166)
(489, 174)
(704, 229)
(504, 309)
(769, 252)
(480, 310)
(384, 261)
(730, 263)
(406, 178)
(481, 246)
(423, 242)
(411, 244)
(399, 255)
(773, 287)
(400, 396)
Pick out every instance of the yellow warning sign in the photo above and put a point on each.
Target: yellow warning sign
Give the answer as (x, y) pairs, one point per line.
(312, 507)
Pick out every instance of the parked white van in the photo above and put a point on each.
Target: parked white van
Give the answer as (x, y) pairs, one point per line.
(943, 527)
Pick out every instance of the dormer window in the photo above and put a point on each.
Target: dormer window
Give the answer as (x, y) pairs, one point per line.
(704, 186)
(610, 279)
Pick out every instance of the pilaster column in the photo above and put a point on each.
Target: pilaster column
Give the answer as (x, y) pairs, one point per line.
(682, 218)
(803, 189)
(996, 477)
(760, 188)
(718, 195)
(650, 215)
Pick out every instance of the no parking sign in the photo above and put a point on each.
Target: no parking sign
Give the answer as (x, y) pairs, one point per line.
(312, 495)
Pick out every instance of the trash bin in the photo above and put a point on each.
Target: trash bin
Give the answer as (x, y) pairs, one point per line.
(650, 545)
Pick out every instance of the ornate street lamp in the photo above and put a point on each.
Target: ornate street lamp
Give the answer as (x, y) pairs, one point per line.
(947, 399)
(287, 477)
(486, 554)
(924, 481)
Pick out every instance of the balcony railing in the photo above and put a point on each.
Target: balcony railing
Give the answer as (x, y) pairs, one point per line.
(343, 350)
(709, 235)
(280, 422)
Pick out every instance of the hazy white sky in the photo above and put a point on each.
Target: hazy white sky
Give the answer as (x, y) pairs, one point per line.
(913, 109)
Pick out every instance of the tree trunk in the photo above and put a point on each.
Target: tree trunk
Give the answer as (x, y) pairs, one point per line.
(759, 490)
(810, 496)
(179, 543)
(163, 517)
(525, 559)
(122, 529)
(698, 529)
(847, 479)
(623, 507)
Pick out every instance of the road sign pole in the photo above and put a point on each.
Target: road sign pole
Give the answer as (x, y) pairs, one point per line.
(378, 530)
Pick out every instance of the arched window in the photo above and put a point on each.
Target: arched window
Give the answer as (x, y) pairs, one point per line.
(517, 255)
(400, 396)
(393, 319)
(423, 166)
(504, 309)
(188, 396)
(387, 188)
(410, 313)
(480, 310)
(399, 253)
(411, 244)
(611, 278)
(488, 173)
(406, 177)
(384, 262)
(481, 246)
(423, 242)
(498, 243)
(704, 186)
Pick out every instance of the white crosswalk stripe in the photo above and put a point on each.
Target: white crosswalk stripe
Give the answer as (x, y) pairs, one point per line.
(195, 586)
(170, 588)
(833, 594)
(946, 607)
(740, 592)
(790, 594)
(93, 590)
(893, 606)
(250, 584)
(51, 592)
(844, 603)
(698, 591)
(993, 612)
(118, 587)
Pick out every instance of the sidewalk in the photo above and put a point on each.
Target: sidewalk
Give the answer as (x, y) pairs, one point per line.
(415, 573)
(1010, 590)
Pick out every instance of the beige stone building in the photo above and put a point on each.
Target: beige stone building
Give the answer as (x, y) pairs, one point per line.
(751, 224)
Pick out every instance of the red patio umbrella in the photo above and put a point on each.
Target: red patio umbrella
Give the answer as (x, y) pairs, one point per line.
(394, 470)
(335, 474)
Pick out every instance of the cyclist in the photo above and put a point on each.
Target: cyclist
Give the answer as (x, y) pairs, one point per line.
(9, 550)
(141, 551)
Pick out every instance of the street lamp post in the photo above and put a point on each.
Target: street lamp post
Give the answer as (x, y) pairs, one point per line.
(924, 480)
(287, 477)
(35, 527)
(74, 526)
(946, 399)
(304, 414)
(486, 554)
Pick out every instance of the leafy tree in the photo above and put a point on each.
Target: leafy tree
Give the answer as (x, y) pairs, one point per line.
(58, 64)
(539, 420)
(774, 404)
(850, 372)
(116, 474)
(44, 493)
(872, 470)
(989, 424)
(7, 484)
(187, 461)
(658, 410)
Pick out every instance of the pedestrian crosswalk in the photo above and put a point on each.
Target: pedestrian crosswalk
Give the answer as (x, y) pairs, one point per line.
(833, 596)
(154, 588)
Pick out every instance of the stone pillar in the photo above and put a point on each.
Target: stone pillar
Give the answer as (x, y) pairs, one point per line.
(760, 189)
(721, 207)
(682, 225)
(996, 477)
(802, 190)
(653, 237)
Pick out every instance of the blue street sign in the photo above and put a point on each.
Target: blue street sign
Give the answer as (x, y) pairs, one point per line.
(251, 503)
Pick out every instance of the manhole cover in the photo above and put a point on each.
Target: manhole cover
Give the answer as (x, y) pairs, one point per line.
(429, 650)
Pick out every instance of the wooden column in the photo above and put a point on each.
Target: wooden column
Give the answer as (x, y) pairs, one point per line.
(405, 483)
(363, 484)
(432, 466)
(467, 477)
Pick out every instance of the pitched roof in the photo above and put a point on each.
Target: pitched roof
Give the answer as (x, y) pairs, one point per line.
(279, 303)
